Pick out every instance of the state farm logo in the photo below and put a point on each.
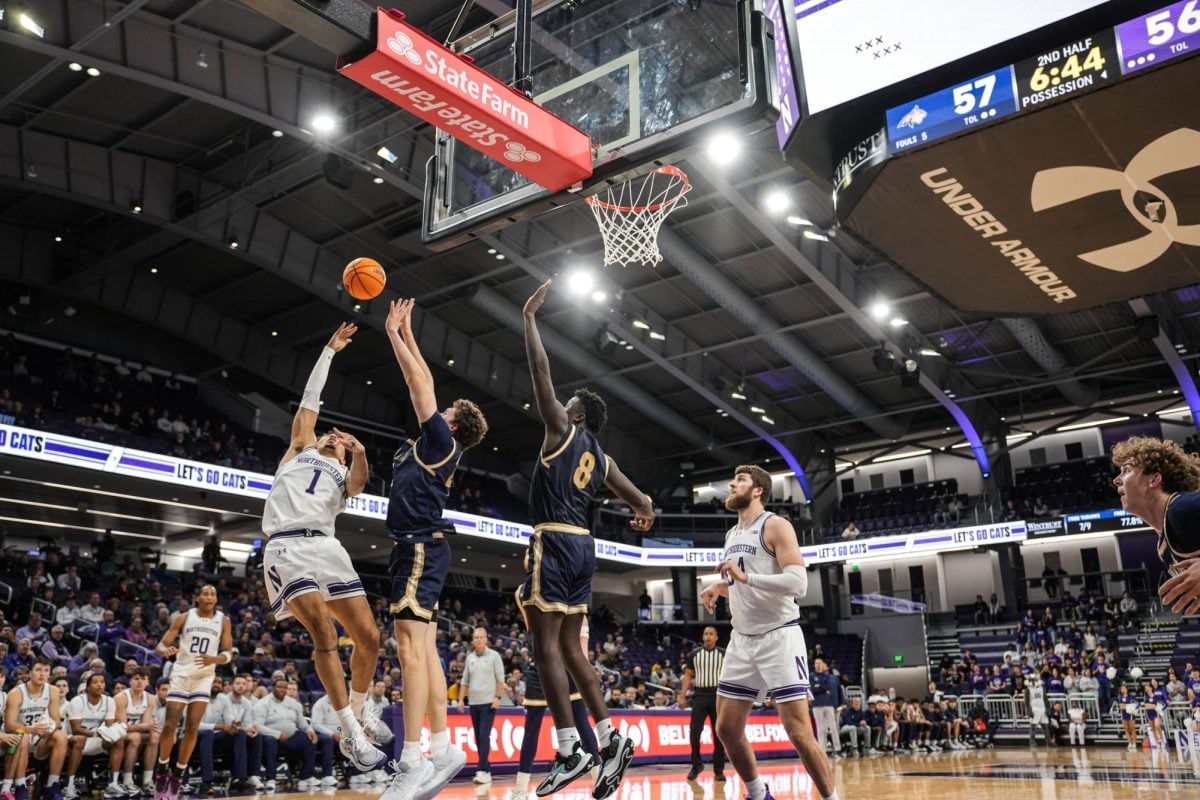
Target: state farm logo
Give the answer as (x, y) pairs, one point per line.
(515, 151)
(639, 734)
(1153, 210)
(402, 45)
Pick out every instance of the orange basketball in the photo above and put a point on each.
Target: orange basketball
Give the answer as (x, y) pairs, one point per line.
(364, 278)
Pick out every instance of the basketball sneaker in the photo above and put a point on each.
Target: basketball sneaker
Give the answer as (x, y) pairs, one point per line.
(767, 796)
(408, 780)
(567, 769)
(162, 779)
(21, 792)
(377, 731)
(614, 760)
(445, 768)
(7, 795)
(360, 752)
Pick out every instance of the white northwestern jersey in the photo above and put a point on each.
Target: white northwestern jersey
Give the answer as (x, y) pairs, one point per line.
(133, 708)
(91, 716)
(33, 708)
(309, 492)
(201, 636)
(753, 610)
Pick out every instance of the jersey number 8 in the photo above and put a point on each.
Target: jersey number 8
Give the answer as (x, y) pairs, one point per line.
(583, 473)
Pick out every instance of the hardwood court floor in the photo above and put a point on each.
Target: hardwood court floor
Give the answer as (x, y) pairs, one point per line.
(1009, 773)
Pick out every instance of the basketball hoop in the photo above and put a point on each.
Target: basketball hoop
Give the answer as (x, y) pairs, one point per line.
(629, 215)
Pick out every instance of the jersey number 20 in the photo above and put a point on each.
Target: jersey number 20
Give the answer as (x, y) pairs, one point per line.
(583, 473)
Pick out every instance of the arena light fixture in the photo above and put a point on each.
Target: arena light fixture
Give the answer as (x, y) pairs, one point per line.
(599, 296)
(658, 336)
(899, 456)
(898, 322)
(580, 282)
(26, 21)
(278, 134)
(816, 235)
(724, 148)
(645, 326)
(758, 410)
(737, 395)
(93, 72)
(880, 311)
(1096, 423)
(324, 123)
(795, 220)
(75, 66)
(378, 180)
(387, 155)
(777, 201)
(767, 420)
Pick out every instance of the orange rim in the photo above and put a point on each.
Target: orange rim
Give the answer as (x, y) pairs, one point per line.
(665, 169)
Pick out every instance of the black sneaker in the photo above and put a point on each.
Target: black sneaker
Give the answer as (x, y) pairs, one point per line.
(566, 769)
(694, 772)
(614, 760)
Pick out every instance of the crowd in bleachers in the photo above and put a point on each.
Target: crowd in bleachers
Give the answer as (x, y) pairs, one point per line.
(1062, 488)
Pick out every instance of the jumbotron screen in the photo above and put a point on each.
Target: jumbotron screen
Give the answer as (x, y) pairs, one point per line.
(850, 48)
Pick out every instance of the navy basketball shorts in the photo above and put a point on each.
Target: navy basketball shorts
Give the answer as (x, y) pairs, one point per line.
(418, 572)
(561, 567)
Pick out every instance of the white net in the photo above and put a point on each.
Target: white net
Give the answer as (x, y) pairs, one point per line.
(631, 214)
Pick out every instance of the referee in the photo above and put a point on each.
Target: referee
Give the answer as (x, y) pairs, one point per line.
(701, 672)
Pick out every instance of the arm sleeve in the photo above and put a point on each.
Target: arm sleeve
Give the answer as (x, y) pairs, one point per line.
(311, 399)
(793, 580)
(436, 441)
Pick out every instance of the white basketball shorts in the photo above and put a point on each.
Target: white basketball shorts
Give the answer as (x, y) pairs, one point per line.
(186, 686)
(295, 564)
(775, 662)
(94, 746)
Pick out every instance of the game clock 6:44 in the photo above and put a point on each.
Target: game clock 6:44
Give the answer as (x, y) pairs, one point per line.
(1069, 69)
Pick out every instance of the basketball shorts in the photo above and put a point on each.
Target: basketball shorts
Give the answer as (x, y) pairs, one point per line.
(775, 662)
(418, 573)
(561, 567)
(94, 746)
(299, 562)
(189, 687)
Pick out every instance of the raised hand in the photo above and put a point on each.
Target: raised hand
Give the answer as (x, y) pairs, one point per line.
(536, 299)
(347, 441)
(398, 318)
(342, 336)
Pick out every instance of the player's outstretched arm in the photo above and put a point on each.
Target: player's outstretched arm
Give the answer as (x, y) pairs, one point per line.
(356, 480)
(622, 487)
(416, 372)
(304, 423)
(553, 415)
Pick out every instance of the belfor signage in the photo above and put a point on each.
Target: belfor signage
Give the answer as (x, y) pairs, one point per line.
(452, 94)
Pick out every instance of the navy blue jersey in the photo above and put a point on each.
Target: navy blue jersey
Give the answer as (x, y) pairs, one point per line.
(565, 480)
(421, 474)
(1181, 535)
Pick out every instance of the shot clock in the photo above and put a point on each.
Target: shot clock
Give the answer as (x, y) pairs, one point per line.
(1073, 67)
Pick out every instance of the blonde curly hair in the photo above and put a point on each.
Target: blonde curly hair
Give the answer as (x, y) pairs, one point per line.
(1180, 471)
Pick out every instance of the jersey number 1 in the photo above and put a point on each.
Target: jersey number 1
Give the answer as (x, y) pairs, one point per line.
(583, 473)
(312, 487)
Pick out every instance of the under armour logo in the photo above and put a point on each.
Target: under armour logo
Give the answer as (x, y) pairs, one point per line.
(515, 151)
(402, 45)
(1174, 152)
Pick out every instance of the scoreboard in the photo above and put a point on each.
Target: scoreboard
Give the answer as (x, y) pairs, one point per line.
(1072, 67)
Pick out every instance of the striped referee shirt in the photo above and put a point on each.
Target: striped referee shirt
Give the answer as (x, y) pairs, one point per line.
(706, 666)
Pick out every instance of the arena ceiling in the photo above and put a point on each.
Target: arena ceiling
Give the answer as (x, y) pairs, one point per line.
(189, 96)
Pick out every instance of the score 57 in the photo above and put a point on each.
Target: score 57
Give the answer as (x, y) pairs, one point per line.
(977, 94)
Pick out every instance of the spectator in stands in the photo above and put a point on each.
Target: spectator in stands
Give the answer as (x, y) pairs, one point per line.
(38, 577)
(33, 630)
(954, 510)
(21, 658)
(1066, 606)
(825, 691)
(980, 610)
(644, 603)
(982, 723)
(1049, 579)
(68, 612)
(93, 612)
(55, 647)
(995, 609)
(1040, 509)
(108, 634)
(69, 581)
(280, 721)
(851, 531)
(1128, 609)
(1176, 689)
(616, 697)
(81, 660)
(853, 725)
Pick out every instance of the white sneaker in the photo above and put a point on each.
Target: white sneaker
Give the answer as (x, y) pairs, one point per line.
(408, 780)
(329, 782)
(70, 793)
(445, 768)
(374, 727)
(131, 788)
(255, 783)
(482, 776)
(1130, 747)
(517, 794)
(380, 776)
(359, 780)
(360, 752)
(114, 791)
(269, 786)
(307, 784)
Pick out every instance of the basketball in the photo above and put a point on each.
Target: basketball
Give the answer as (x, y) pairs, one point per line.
(364, 278)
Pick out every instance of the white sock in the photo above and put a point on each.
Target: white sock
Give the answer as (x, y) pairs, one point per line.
(6, 784)
(70, 781)
(522, 781)
(53, 779)
(411, 754)
(439, 743)
(21, 780)
(756, 789)
(115, 777)
(147, 776)
(350, 725)
(567, 739)
(604, 732)
(832, 796)
(357, 700)
(127, 777)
